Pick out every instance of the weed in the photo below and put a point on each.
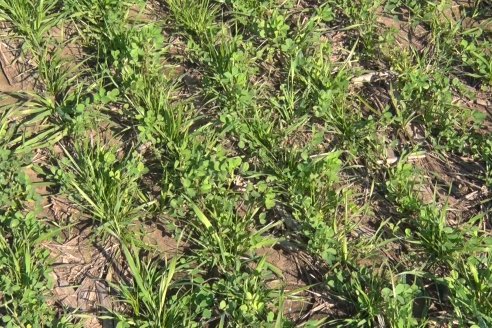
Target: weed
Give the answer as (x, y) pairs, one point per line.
(236, 238)
(377, 297)
(32, 20)
(25, 281)
(244, 298)
(402, 188)
(471, 289)
(24, 275)
(196, 17)
(105, 186)
(229, 67)
(153, 294)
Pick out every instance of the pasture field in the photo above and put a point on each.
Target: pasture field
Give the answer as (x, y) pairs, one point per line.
(245, 163)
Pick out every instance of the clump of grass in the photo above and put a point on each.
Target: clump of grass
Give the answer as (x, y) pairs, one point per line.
(377, 297)
(236, 238)
(160, 294)
(104, 185)
(24, 267)
(155, 297)
(196, 17)
(25, 281)
(31, 20)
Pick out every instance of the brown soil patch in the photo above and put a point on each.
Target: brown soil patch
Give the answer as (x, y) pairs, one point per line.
(14, 72)
(405, 36)
(5, 85)
(81, 270)
(457, 183)
(294, 280)
(162, 242)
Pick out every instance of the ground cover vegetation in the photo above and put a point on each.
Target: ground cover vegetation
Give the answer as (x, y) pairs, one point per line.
(245, 163)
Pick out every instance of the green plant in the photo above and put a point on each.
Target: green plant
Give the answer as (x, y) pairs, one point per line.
(15, 185)
(470, 286)
(25, 281)
(477, 56)
(314, 202)
(362, 15)
(424, 95)
(32, 20)
(127, 52)
(228, 61)
(155, 296)
(486, 154)
(376, 297)
(159, 120)
(362, 290)
(196, 17)
(402, 188)
(99, 19)
(237, 237)
(400, 303)
(436, 236)
(59, 76)
(244, 298)
(274, 27)
(104, 185)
